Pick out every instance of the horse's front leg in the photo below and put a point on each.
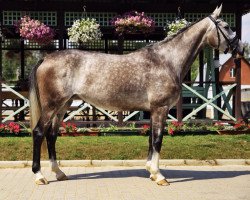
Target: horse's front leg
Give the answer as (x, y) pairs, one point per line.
(158, 118)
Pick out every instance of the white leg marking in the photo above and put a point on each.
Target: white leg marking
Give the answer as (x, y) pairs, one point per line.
(40, 179)
(59, 174)
(148, 165)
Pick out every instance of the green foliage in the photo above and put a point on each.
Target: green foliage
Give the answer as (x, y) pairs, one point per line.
(195, 69)
(10, 68)
(247, 50)
(175, 26)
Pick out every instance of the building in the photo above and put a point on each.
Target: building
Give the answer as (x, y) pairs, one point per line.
(227, 72)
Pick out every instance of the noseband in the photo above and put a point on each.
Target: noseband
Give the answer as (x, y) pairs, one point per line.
(230, 42)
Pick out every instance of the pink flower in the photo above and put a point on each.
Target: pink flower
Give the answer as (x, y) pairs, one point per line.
(133, 22)
(34, 30)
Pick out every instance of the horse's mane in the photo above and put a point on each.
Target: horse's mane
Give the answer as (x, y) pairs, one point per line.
(169, 38)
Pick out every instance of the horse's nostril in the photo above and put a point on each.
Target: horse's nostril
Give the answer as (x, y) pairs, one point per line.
(243, 52)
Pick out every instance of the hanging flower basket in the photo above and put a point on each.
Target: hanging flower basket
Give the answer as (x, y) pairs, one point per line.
(84, 30)
(34, 30)
(175, 26)
(133, 22)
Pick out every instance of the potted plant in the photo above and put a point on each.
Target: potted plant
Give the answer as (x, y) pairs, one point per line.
(133, 22)
(84, 30)
(34, 30)
(174, 26)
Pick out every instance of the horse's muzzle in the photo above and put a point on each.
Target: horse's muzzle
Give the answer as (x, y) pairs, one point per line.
(238, 51)
(240, 48)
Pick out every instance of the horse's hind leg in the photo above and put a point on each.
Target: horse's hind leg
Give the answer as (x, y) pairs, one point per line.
(51, 141)
(158, 117)
(38, 137)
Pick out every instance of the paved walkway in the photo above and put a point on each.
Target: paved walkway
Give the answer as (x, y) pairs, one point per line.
(130, 183)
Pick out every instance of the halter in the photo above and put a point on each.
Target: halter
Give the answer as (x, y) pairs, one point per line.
(230, 42)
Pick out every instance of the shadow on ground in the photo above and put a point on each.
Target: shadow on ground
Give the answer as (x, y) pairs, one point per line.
(181, 175)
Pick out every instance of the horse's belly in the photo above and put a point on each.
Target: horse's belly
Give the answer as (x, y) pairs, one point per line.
(117, 103)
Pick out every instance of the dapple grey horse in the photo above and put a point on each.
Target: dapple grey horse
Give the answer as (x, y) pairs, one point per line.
(148, 79)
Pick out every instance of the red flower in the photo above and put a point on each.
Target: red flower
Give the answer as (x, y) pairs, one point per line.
(145, 126)
(171, 131)
(69, 127)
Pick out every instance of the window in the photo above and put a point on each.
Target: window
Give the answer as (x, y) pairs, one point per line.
(232, 72)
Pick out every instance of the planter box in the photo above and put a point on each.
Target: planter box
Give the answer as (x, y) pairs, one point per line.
(233, 132)
(201, 132)
(120, 133)
(80, 134)
(15, 135)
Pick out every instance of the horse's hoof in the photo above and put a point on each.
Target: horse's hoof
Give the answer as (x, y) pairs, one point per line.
(41, 181)
(152, 177)
(62, 177)
(163, 182)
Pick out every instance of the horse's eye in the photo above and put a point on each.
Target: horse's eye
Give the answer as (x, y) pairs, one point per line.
(226, 27)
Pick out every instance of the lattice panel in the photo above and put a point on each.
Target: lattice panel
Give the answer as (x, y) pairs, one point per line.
(11, 43)
(33, 45)
(96, 45)
(228, 17)
(129, 45)
(134, 44)
(161, 19)
(49, 18)
(103, 18)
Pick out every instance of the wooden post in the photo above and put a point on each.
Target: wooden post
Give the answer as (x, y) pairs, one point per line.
(217, 86)
(106, 46)
(94, 116)
(237, 102)
(179, 109)
(60, 23)
(21, 78)
(22, 60)
(202, 113)
(201, 66)
(1, 72)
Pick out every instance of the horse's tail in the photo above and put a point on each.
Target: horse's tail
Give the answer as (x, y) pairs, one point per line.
(35, 106)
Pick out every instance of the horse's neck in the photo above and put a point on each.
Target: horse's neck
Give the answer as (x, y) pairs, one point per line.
(185, 47)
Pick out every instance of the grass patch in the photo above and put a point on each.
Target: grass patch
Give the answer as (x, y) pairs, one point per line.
(133, 147)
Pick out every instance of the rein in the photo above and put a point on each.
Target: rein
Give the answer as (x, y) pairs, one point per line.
(230, 43)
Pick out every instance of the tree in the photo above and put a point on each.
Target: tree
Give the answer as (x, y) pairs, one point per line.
(247, 50)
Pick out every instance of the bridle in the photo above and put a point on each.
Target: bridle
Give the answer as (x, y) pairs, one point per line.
(231, 43)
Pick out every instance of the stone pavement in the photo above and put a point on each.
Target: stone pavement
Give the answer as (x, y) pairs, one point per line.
(130, 183)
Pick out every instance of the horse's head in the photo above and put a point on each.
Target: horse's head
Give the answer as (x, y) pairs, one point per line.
(222, 37)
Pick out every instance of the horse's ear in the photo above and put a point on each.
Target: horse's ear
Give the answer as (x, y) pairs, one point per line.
(217, 12)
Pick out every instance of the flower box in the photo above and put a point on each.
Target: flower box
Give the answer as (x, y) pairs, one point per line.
(197, 132)
(233, 132)
(21, 134)
(121, 133)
